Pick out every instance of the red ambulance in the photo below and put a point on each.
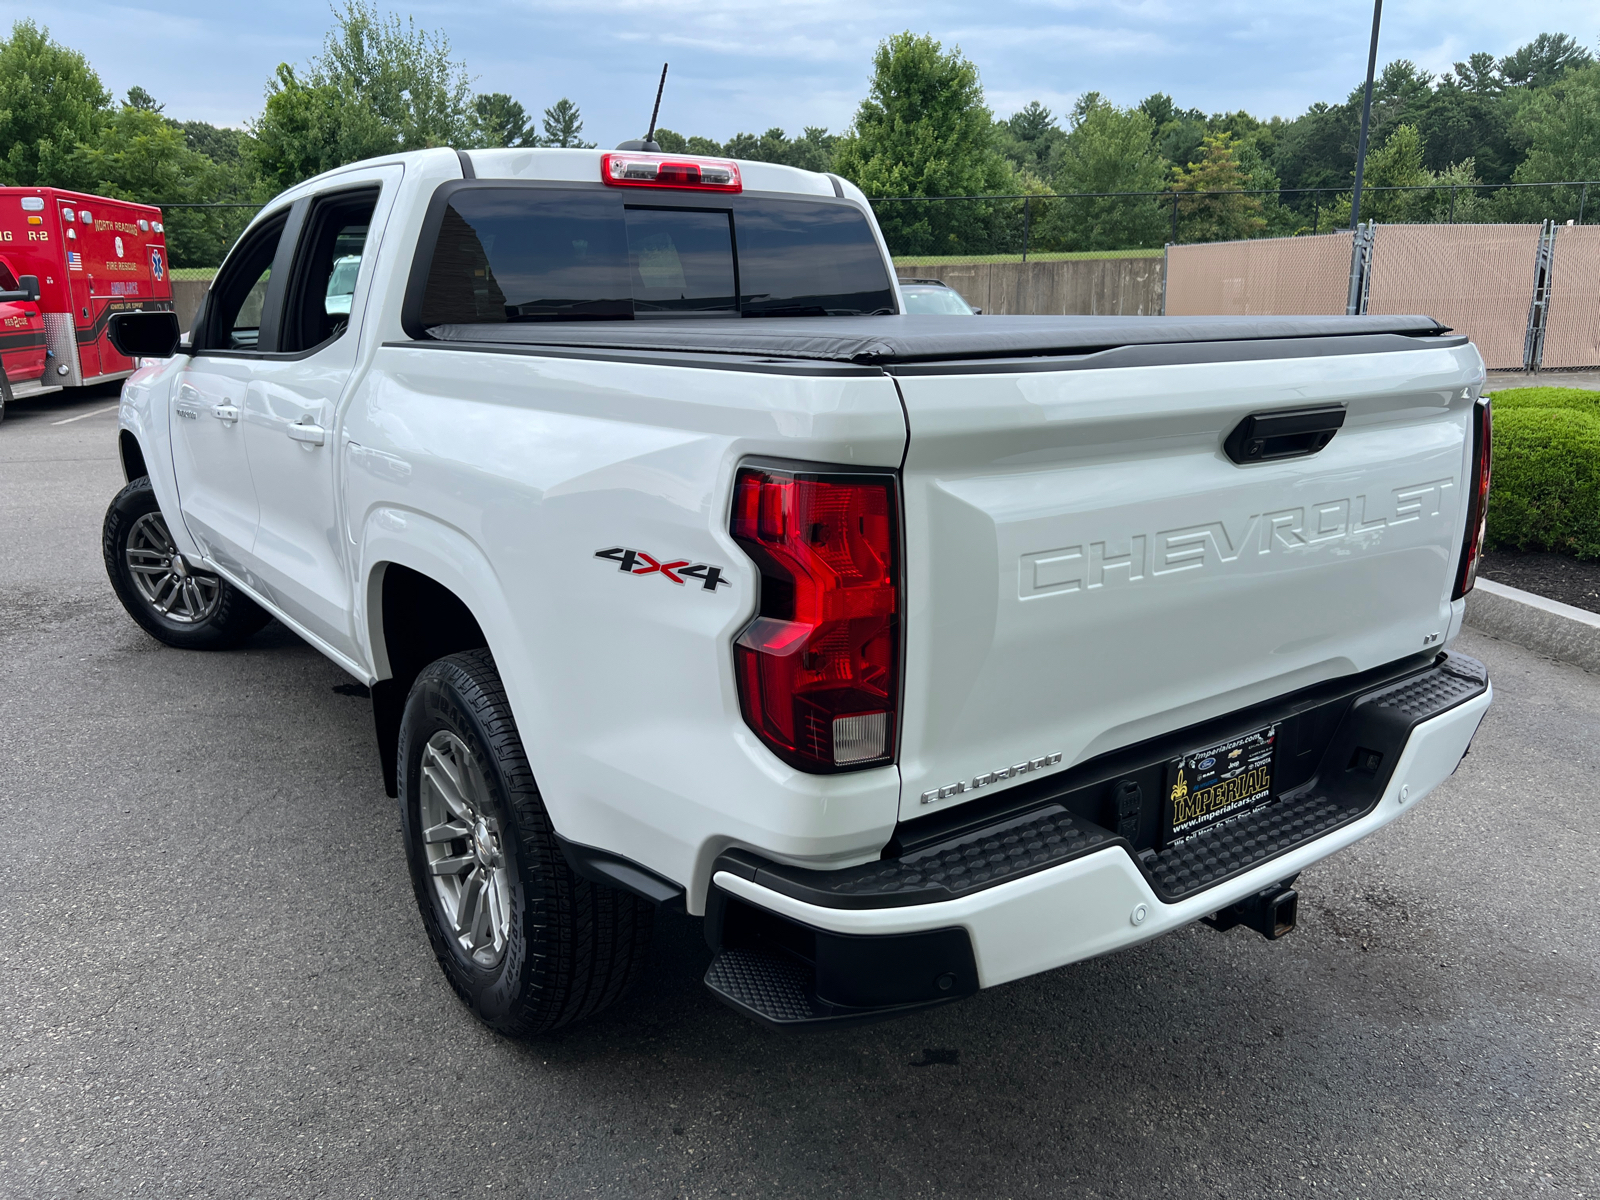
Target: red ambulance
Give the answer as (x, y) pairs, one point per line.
(92, 257)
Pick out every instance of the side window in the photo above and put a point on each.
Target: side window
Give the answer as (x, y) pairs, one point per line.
(326, 267)
(240, 291)
(504, 254)
(8, 281)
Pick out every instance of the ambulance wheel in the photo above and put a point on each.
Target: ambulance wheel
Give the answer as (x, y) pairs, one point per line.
(5, 394)
(172, 601)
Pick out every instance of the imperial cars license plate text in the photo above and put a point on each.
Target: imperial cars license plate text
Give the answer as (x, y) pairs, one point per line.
(1207, 785)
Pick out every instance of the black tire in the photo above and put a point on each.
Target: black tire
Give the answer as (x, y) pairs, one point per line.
(5, 394)
(571, 948)
(227, 615)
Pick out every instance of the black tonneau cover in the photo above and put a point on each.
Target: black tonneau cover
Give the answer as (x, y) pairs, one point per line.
(923, 338)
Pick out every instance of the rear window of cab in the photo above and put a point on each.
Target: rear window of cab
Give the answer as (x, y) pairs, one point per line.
(497, 253)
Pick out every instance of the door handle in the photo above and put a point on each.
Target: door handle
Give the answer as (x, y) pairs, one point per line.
(308, 434)
(1290, 433)
(226, 413)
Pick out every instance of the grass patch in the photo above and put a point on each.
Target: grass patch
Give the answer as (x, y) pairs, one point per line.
(944, 260)
(193, 272)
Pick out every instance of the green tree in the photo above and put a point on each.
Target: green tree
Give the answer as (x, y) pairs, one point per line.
(563, 125)
(498, 120)
(676, 143)
(1459, 121)
(1561, 125)
(1217, 218)
(137, 154)
(1425, 196)
(50, 100)
(771, 146)
(141, 99)
(378, 86)
(308, 127)
(813, 150)
(222, 145)
(1544, 60)
(1108, 149)
(923, 129)
(1480, 74)
(1030, 140)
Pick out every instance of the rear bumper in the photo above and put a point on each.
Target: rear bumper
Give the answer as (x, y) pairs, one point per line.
(1102, 900)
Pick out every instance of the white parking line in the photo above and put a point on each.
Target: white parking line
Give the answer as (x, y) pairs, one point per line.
(81, 416)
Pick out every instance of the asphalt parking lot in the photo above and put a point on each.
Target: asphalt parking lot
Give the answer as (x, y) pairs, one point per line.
(215, 982)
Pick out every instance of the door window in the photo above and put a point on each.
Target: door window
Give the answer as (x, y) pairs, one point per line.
(238, 297)
(326, 268)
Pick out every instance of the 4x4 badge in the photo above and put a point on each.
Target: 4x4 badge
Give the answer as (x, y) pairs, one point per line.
(637, 562)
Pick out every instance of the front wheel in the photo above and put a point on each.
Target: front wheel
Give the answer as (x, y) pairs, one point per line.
(528, 945)
(173, 601)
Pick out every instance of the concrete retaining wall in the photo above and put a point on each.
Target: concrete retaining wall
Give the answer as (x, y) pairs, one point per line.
(1084, 286)
(186, 297)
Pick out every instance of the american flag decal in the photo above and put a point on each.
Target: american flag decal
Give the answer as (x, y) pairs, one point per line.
(74, 260)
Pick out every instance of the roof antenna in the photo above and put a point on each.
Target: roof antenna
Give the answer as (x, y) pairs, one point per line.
(648, 142)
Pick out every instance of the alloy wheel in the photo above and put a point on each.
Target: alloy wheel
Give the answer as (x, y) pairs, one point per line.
(164, 580)
(465, 855)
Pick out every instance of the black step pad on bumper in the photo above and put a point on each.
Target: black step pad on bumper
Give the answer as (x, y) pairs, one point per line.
(1047, 833)
(1022, 845)
(1230, 847)
(1344, 789)
(788, 975)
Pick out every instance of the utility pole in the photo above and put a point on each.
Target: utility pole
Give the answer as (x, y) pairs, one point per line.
(1366, 116)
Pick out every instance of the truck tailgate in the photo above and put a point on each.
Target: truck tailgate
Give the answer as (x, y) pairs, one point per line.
(1086, 567)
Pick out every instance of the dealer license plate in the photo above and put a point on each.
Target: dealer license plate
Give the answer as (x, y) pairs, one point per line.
(1219, 781)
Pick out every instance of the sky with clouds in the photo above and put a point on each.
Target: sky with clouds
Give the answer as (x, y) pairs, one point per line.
(747, 65)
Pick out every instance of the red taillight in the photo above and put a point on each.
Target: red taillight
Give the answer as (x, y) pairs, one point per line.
(668, 171)
(819, 667)
(1478, 504)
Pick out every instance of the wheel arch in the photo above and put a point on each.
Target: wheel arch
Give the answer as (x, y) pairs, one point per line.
(428, 592)
(132, 455)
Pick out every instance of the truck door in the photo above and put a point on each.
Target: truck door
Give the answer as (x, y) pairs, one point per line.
(293, 406)
(215, 490)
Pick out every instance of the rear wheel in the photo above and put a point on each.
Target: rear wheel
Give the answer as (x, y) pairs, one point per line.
(528, 945)
(173, 601)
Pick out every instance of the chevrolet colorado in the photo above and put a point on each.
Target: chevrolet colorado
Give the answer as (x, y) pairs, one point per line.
(916, 655)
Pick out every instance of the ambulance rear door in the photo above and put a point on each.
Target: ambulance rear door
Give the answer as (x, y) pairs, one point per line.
(77, 225)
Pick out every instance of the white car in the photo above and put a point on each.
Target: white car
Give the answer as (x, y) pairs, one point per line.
(341, 285)
(685, 569)
(935, 297)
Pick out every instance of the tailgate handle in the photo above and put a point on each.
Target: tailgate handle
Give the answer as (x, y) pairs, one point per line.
(1291, 433)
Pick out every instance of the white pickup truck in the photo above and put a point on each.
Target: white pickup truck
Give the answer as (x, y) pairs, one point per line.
(915, 653)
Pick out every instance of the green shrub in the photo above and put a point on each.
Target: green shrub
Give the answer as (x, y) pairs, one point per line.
(1546, 489)
(1578, 399)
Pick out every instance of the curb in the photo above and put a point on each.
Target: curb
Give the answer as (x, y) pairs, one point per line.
(1559, 630)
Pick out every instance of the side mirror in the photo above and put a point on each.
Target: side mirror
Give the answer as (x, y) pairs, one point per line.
(144, 334)
(27, 289)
